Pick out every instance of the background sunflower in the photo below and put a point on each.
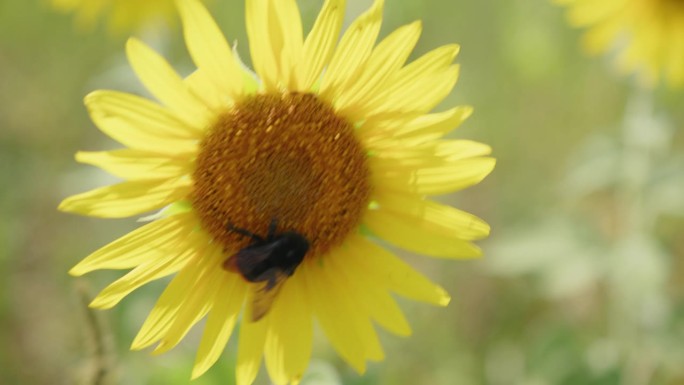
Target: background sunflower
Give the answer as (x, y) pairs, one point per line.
(118, 16)
(647, 36)
(567, 293)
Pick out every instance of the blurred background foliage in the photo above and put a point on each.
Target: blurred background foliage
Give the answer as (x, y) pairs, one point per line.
(583, 276)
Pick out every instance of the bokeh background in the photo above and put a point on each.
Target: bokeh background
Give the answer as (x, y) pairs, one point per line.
(583, 276)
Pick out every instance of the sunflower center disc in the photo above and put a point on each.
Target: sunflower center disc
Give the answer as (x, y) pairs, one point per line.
(287, 158)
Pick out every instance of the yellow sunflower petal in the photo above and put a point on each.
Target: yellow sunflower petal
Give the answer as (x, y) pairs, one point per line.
(165, 84)
(275, 39)
(403, 232)
(128, 198)
(441, 178)
(384, 267)
(376, 132)
(433, 89)
(250, 349)
(352, 51)
(220, 323)
(433, 216)
(320, 44)
(342, 337)
(428, 76)
(434, 61)
(135, 164)
(357, 318)
(404, 153)
(258, 32)
(438, 123)
(140, 124)
(171, 262)
(384, 61)
(370, 294)
(135, 247)
(290, 334)
(289, 26)
(164, 313)
(197, 305)
(209, 49)
(454, 150)
(344, 323)
(202, 84)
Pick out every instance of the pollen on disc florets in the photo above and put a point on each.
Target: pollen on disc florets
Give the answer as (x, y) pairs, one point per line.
(283, 157)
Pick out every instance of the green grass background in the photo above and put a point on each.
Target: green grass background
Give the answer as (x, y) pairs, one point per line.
(582, 280)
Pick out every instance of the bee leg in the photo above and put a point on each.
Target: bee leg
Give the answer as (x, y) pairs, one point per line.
(230, 264)
(272, 229)
(269, 278)
(272, 281)
(244, 232)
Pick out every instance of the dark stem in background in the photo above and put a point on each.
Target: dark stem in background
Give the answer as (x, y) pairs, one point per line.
(101, 359)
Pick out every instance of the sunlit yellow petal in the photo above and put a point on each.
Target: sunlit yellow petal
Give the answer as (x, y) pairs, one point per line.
(140, 124)
(345, 323)
(263, 46)
(163, 314)
(285, 14)
(127, 198)
(440, 179)
(165, 84)
(220, 323)
(403, 233)
(135, 247)
(320, 44)
(423, 128)
(352, 51)
(432, 216)
(135, 164)
(250, 349)
(421, 77)
(289, 338)
(359, 322)
(386, 58)
(169, 261)
(384, 267)
(202, 84)
(433, 90)
(392, 155)
(209, 48)
(369, 293)
(198, 304)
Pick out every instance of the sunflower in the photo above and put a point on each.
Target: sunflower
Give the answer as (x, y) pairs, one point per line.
(647, 34)
(123, 14)
(273, 191)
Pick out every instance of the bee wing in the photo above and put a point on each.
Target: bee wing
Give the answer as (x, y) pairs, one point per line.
(264, 293)
(251, 258)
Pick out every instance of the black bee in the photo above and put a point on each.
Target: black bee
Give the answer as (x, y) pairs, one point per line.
(267, 261)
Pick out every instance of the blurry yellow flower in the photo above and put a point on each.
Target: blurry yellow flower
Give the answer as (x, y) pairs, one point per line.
(122, 15)
(648, 34)
(332, 138)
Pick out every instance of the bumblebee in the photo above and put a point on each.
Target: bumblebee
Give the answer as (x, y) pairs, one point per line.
(267, 262)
